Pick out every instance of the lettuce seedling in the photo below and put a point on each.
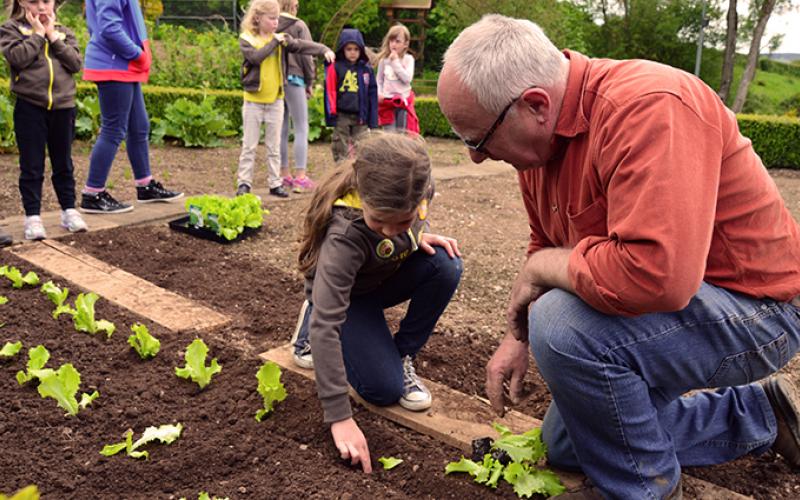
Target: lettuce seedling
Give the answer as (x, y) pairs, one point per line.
(145, 344)
(16, 277)
(62, 385)
(270, 388)
(525, 451)
(205, 496)
(390, 463)
(3, 300)
(195, 367)
(59, 297)
(83, 319)
(27, 493)
(164, 433)
(37, 358)
(10, 349)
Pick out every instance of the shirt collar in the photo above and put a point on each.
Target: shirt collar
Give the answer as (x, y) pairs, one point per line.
(571, 119)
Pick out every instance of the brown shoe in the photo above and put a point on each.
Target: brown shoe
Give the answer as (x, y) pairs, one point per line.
(781, 394)
(588, 492)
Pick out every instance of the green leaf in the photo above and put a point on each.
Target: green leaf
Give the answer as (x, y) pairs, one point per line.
(390, 463)
(527, 446)
(62, 386)
(86, 399)
(195, 367)
(527, 481)
(84, 317)
(270, 388)
(145, 344)
(112, 449)
(27, 493)
(16, 277)
(37, 358)
(10, 349)
(476, 470)
(3, 300)
(165, 433)
(56, 295)
(65, 309)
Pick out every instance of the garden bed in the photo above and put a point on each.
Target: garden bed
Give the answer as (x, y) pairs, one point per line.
(263, 300)
(222, 449)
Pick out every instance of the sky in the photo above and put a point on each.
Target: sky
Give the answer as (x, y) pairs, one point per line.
(789, 24)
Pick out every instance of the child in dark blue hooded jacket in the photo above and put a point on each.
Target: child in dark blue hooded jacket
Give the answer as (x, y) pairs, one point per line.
(351, 94)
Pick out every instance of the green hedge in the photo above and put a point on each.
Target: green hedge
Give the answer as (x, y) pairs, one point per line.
(158, 98)
(780, 67)
(775, 138)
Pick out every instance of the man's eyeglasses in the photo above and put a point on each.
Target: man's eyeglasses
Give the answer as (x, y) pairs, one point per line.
(478, 147)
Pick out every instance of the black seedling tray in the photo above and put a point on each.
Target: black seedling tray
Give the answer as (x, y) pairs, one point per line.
(182, 226)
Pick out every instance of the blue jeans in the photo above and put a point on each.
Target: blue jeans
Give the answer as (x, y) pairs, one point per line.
(123, 116)
(373, 359)
(617, 385)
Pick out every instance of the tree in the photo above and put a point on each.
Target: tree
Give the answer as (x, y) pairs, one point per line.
(730, 51)
(763, 10)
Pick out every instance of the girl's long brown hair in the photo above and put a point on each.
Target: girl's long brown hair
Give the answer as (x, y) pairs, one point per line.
(394, 32)
(391, 173)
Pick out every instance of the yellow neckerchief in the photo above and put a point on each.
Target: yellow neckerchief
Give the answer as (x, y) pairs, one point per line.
(350, 200)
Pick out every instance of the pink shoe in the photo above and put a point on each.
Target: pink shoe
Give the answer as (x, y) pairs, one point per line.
(303, 184)
(288, 182)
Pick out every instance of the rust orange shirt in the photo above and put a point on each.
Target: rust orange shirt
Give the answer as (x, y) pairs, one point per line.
(655, 190)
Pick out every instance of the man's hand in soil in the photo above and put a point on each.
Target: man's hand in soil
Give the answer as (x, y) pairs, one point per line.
(543, 270)
(428, 241)
(351, 443)
(509, 363)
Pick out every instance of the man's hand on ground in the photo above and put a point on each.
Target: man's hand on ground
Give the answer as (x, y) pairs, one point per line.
(509, 363)
(351, 443)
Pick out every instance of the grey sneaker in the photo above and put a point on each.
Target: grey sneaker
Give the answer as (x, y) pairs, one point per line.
(242, 189)
(34, 229)
(302, 346)
(72, 221)
(416, 397)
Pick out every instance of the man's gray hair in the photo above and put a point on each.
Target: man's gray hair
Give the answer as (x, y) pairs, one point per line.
(498, 57)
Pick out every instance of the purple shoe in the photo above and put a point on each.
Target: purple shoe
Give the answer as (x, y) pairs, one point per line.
(303, 184)
(288, 182)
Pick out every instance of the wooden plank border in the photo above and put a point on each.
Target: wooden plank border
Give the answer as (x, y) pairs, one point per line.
(166, 308)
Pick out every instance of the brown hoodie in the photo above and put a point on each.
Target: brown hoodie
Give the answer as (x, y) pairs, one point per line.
(41, 71)
(353, 260)
(296, 64)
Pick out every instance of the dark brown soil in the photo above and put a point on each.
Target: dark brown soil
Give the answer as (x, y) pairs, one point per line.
(245, 285)
(222, 450)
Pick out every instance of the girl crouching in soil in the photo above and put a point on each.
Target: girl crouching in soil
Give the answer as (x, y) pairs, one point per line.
(365, 223)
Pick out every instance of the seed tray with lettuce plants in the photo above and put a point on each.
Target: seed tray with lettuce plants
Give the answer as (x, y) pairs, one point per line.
(220, 218)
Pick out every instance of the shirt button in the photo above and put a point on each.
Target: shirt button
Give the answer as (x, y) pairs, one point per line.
(555, 208)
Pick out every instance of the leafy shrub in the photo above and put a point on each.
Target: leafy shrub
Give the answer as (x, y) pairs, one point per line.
(431, 120)
(200, 59)
(197, 124)
(7, 140)
(776, 139)
(792, 104)
(87, 124)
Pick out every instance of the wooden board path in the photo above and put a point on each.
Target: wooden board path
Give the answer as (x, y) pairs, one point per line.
(456, 419)
(120, 287)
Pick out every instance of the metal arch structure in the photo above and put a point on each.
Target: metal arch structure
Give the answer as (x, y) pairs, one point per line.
(331, 30)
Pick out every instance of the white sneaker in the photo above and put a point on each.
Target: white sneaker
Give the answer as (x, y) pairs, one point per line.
(72, 221)
(416, 397)
(301, 346)
(34, 229)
